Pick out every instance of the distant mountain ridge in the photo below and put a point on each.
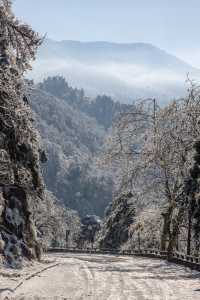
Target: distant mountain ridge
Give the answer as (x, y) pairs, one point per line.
(123, 71)
(113, 51)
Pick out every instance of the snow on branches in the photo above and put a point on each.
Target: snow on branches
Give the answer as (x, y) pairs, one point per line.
(152, 149)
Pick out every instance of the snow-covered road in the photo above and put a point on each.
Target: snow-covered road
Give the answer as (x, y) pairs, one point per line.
(103, 277)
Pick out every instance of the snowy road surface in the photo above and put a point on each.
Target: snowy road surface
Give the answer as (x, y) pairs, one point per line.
(102, 277)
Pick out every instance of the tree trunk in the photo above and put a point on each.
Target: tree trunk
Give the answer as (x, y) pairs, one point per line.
(177, 243)
(167, 216)
(197, 248)
(139, 241)
(189, 233)
(175, 231)
(197, 239)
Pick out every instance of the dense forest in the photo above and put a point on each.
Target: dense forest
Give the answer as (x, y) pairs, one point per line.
(73, 129)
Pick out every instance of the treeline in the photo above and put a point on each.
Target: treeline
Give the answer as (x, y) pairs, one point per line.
(103, 108)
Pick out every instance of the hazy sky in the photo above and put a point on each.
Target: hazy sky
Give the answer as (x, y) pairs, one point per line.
(173, 25)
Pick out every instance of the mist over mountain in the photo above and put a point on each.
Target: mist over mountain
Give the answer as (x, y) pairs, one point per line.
(123, 71)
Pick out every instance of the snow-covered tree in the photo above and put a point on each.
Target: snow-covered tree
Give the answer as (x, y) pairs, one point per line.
(20, 180)
(153, 153)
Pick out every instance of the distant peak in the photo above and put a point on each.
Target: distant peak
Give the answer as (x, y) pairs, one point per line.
(105, 43)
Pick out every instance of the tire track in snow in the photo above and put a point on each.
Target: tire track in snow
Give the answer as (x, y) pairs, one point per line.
(95, 277)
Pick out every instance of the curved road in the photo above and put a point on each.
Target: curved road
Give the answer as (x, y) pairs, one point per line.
(105, 277)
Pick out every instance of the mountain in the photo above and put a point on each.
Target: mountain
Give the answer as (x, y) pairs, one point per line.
(123, 71)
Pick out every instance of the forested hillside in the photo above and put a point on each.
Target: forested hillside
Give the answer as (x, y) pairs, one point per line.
(102, 108)
(71, 140)
(73, 128)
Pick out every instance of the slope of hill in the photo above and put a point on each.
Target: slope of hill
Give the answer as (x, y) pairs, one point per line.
(102, 108)
(72, 141)
(73, 128)
(123, 71)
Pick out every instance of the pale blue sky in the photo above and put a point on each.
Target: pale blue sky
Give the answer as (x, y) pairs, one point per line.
(172, 25)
